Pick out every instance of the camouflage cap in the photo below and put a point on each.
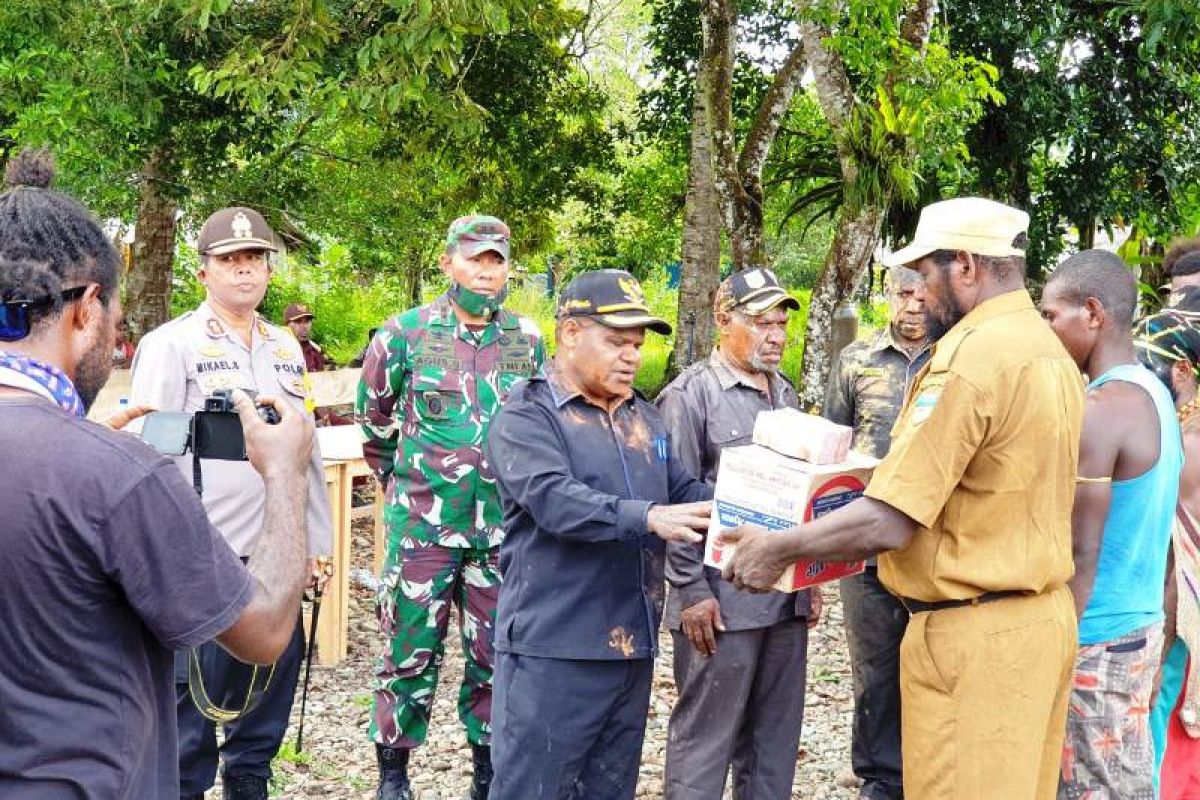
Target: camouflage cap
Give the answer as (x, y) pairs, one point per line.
(612, 297)
(753, 291)
(296, 311)
(233, 229)
(478, 233)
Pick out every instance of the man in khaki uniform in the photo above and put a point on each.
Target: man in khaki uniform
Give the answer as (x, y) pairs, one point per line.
(971, 510)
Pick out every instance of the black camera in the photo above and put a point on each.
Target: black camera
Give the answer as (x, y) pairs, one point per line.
(215, 432)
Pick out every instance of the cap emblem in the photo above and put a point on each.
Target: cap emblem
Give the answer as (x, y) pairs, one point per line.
(241, 227)
(633, 291)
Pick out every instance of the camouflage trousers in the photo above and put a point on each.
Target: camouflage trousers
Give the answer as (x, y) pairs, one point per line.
(1108, 752)
(418, 586)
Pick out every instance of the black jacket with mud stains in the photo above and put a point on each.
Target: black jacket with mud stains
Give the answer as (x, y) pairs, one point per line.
(582, 576)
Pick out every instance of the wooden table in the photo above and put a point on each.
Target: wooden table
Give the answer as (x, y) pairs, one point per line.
(339, 446)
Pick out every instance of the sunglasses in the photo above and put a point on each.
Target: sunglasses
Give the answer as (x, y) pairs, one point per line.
(14, 316)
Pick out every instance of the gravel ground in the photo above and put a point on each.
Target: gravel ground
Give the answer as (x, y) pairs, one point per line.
(339, 763)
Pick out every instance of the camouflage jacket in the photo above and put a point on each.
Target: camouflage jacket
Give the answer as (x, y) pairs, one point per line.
(429, 390)
(867, 388)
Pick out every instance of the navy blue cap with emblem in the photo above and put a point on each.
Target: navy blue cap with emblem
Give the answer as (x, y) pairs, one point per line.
(612, 297)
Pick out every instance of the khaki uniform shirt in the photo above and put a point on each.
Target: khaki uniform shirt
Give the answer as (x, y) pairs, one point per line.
(184, 361)
(984, 458)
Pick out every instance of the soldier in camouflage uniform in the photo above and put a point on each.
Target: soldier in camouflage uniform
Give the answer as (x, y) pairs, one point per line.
(432, 380)
(866, 392)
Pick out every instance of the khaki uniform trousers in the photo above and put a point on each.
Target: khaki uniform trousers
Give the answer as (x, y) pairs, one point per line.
(984, 693)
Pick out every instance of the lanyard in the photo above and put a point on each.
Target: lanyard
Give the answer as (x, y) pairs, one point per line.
(47, 380)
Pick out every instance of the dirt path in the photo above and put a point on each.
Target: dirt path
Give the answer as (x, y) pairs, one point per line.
(339, 763)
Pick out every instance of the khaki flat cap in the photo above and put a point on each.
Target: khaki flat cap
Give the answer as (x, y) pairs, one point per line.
(972, 224)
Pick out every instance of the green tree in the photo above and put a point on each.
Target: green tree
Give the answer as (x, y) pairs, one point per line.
(1099, 125)
(895, 102)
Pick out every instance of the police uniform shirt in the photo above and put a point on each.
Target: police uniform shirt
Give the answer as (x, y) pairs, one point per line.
(867, 389)
(984, 459)
(184, 361)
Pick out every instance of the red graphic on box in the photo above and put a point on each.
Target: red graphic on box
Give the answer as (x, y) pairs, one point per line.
(830, 496)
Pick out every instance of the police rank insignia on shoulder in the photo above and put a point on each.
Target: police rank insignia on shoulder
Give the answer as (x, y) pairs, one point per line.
(214, 327)
(212, 351)
(923, 405)
(262, 329)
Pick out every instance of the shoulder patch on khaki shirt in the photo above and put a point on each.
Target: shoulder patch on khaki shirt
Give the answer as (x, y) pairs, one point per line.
(923, 404)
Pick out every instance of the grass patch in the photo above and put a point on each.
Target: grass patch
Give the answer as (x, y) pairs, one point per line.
(287, 752)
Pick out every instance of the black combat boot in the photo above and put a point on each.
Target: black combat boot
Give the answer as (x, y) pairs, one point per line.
(481, 779)
(245, 787)
(393, 774)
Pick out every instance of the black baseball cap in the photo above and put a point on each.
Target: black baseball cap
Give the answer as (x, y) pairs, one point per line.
(612, 297)
(753, 291)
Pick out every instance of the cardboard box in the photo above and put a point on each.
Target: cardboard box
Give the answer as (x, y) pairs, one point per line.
(806, 436)
(757, 486)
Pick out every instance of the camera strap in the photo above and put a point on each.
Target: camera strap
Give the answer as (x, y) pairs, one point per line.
(260, 681)
(197, 478)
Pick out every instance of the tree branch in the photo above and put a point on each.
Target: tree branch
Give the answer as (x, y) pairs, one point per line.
(771, 112)
(834, 92)
(918, 22)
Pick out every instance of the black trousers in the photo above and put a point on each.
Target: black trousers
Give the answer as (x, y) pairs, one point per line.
(251, 741)
(875, 623)
(568, 730)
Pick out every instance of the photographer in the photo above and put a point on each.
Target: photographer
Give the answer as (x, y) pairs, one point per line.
(109, 561)
(224, 344)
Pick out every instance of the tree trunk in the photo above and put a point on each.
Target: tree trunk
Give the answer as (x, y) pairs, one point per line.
(854, 241)
(148, 284)
(700, 272)
(1087, 232)
(714, 80)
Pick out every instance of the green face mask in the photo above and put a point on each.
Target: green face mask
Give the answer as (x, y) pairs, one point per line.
(476, 304)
